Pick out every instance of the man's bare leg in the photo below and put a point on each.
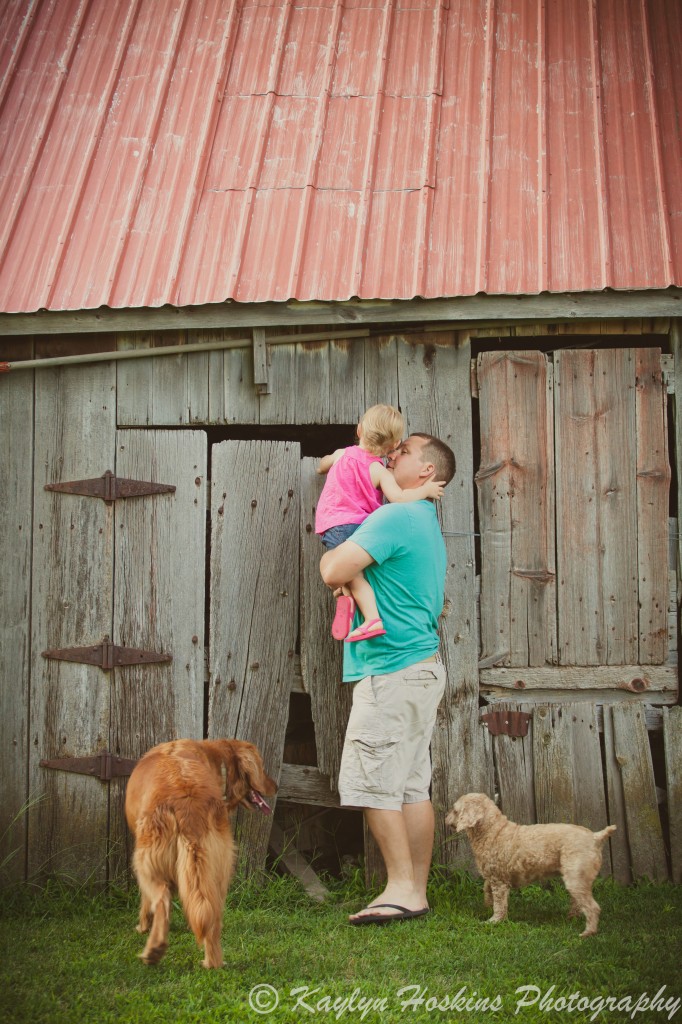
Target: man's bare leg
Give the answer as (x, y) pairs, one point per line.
(420, 823)
(405, 839)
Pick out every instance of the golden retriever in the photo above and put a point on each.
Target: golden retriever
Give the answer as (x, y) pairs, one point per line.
(510, 856)
(178, 801)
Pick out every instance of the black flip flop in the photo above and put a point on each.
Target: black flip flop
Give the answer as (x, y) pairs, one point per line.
(403, 914)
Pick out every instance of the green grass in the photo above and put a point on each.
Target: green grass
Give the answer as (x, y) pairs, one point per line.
(68, 956)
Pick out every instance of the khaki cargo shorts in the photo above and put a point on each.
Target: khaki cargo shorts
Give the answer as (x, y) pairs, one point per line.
(386, 761)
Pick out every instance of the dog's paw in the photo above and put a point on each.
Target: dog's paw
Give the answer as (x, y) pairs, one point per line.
(154, 955)
(212, 963)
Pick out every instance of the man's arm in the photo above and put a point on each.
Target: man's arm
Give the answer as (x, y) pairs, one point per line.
(341, 564)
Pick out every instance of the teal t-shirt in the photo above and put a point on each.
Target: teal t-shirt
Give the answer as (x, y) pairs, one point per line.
(408, 578)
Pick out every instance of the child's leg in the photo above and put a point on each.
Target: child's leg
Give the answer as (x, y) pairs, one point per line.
(363, 595)
(343, 614)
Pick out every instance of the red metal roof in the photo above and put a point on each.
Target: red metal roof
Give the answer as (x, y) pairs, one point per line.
(193, 151)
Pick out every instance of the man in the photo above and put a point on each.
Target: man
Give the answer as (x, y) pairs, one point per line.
(399, 679)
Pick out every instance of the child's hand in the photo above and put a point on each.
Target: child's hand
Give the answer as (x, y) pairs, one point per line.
(435, 488)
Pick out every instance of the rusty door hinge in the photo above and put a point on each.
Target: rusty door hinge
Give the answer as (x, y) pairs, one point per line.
(507, 723)
(109, 487)
(104, 766)
(107, 655)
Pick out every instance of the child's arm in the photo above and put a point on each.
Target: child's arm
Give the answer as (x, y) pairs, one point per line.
(384, 479)
(326, 463)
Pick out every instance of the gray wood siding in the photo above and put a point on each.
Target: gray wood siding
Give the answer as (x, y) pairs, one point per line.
(16, 527)
(653, 486)
(158, 601)
(596, 507)
(632, 754)
(254, 597)
(72, 605)
(516, 500)
(80, 569)
(605, 451)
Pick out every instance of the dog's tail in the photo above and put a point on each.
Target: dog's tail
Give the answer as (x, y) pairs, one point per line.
(205, 861)
(605, 833)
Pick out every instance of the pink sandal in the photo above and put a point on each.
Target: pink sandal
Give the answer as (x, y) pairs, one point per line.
(365, 632)
(343, 617)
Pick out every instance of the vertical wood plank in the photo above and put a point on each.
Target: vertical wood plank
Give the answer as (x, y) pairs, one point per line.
(216, 396)
(617, 486)
(134, 383)
(493, 481)
(554, 794)
(434, 392)
(676, 345)
(516, 500)
(159, 602)
(633, 755)
(254, 605)
(279, 406)
(653, 485)
(672, 657)
(514, 763)
(299, 377)
(169, 387)
(346, 381)
(569, 781)
(596, 507)
(72, 605)
(312, 383)
(166, 390)
(16, 493)
(321, 655)
(588, 775)
(381, 371)
(672, 742)
(533, 570)
(240, 400)
(196, 387)
(620, 852)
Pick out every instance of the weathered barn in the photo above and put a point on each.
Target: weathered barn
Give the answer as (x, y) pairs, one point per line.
(472, 210)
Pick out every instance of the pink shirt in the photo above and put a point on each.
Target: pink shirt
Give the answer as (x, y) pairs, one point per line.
(348, 495)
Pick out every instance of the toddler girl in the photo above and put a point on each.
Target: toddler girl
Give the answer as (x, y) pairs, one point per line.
(357, 482)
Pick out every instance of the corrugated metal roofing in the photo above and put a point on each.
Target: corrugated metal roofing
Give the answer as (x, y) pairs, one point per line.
(193, 151)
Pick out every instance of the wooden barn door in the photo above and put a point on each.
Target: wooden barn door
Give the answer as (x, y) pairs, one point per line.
(573, 503)
(123, 570)
(159, 597)
(254, 606)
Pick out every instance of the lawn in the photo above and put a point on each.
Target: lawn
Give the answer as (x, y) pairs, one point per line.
(70, 957)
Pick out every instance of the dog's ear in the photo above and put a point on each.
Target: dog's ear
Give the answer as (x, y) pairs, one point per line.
(236, 783)
(252, 768)
(244, 773)
(469, 812)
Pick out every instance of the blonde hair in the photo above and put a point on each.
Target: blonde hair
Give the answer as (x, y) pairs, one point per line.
(381, 429)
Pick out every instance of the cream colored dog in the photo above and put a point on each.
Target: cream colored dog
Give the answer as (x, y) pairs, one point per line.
(510, 856)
